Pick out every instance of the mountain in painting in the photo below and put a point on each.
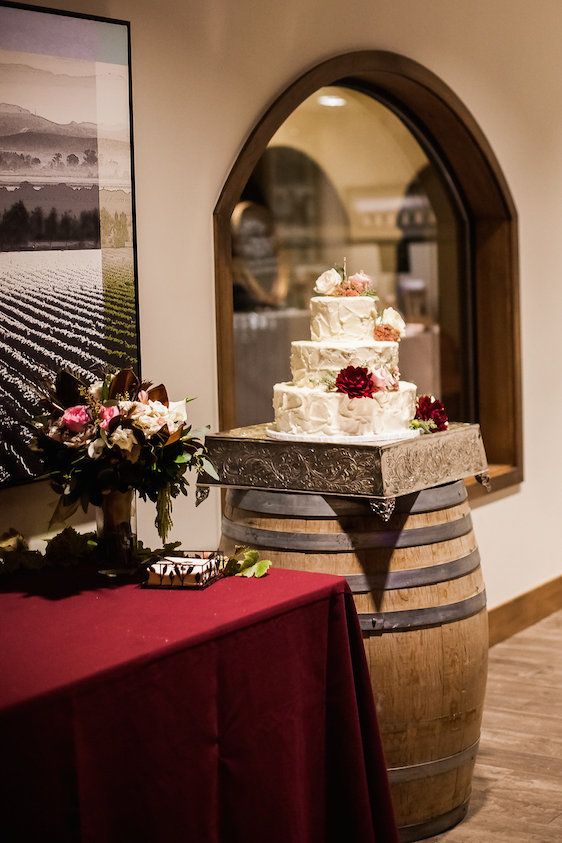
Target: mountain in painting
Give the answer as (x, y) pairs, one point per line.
(15, 120)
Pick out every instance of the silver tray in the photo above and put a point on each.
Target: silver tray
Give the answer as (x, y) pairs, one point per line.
(247, 458)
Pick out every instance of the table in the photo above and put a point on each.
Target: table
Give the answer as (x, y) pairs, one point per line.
(239, 713)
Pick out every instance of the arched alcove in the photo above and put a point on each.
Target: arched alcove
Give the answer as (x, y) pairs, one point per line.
(454, 143)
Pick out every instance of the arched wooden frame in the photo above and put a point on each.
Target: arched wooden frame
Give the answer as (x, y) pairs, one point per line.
(445, 126)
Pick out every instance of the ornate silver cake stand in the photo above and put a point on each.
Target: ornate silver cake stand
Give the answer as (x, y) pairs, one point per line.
(247, 458)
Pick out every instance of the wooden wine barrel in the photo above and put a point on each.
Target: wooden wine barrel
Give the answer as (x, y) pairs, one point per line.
(421, 602)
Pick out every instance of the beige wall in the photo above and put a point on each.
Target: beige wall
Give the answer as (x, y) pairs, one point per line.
(203, 72)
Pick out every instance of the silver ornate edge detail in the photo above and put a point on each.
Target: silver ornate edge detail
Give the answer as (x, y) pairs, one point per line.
(201, 494)
(485, 480)
(383, 507)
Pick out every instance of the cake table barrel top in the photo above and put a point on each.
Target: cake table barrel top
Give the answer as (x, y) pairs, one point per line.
(247, 458)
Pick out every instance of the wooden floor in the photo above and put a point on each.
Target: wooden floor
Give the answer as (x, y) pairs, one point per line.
(517, 786)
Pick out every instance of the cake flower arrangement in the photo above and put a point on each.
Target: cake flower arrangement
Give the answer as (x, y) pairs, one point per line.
(336, 282)
(389, 326)
(115, 436)
(431, 415)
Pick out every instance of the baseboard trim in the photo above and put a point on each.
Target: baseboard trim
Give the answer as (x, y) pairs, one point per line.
(524, 610)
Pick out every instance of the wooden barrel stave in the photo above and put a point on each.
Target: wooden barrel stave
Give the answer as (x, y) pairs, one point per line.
(423, 561)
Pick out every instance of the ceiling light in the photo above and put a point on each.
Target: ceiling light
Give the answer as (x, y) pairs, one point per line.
(331, 100)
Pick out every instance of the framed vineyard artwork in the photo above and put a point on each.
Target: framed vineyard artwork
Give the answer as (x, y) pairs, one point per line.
(68, 296)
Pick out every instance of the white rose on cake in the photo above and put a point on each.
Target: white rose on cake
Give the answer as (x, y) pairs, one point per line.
(328, 282)
(392, 318)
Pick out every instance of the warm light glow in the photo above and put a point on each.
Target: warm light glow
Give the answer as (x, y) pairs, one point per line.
(331, 100)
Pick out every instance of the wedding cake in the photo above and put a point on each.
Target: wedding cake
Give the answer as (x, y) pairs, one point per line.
(345, 380)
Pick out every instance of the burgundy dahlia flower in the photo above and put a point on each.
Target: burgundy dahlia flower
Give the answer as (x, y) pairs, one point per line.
(429, 408)
(356, 382)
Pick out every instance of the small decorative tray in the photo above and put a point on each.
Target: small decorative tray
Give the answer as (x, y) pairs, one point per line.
(247, 457)
(186, 569)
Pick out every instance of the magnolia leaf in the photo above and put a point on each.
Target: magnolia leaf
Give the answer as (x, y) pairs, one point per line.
(209, 468)
(158, 393)
(231, 567)
(67, 389)
(62, 512)
(182, 458)
(125, 382)
(196, 434)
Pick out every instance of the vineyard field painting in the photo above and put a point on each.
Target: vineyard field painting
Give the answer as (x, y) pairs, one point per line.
(68, 295)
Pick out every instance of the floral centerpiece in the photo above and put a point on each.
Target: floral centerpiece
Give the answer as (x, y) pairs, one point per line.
(103, 441)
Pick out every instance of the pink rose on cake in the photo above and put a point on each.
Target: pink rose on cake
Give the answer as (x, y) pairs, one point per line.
(334, 283)
(360, 282)
(384, 381)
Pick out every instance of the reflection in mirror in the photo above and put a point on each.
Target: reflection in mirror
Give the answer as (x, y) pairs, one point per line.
(345, 177)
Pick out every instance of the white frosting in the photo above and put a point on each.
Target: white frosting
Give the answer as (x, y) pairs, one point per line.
(345, 318)
(302, 409)
(311, 361)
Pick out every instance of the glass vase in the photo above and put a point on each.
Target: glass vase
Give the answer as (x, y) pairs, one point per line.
(116, 525)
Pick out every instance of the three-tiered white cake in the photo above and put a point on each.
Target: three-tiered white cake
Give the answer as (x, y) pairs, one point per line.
(345, 382)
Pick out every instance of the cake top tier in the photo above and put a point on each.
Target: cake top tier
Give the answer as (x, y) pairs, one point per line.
(341, 318)
(346, 310)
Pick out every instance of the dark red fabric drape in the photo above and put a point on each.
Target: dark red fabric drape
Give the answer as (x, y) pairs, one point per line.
(239, 714)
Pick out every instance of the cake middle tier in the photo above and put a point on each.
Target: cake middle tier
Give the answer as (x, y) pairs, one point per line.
(312, 361)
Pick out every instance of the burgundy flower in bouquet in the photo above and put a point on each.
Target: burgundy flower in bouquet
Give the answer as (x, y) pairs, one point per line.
(431, 414)
(356, 382)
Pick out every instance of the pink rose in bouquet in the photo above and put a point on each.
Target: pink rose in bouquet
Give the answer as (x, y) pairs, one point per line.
(76, 418)
(106, 414)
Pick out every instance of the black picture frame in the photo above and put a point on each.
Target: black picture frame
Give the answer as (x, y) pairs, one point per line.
(115, 237)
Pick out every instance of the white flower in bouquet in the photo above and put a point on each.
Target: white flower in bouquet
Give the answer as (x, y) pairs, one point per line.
(96, 390)
(391, 317)
(96, 448)
(328, 282)
(124, 438)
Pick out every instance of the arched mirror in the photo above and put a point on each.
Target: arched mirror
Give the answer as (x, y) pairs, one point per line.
(372, 158)
(344, 177)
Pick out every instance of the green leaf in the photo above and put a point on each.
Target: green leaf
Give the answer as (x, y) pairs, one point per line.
(262, 568)
(247, 572)
(209, 468)
(257, 570)
(231, 567)
(250, 558)
(426, 426)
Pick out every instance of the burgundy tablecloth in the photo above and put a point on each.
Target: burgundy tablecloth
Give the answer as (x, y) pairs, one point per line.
(239, 714)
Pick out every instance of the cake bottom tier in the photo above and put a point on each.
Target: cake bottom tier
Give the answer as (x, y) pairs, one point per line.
(309, 410)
